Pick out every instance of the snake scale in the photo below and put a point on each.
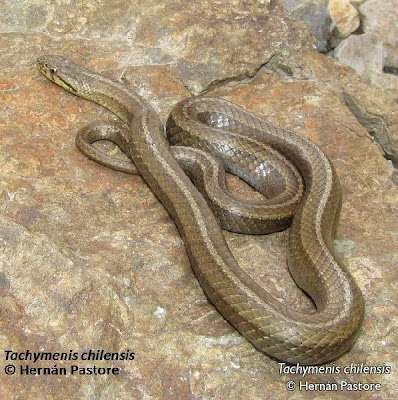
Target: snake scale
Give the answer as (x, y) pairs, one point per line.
(210, 136)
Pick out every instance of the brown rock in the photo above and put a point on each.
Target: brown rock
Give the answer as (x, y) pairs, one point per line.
(89, 259)
(345, 17)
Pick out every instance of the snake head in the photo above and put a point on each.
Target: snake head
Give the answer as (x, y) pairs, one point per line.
(61, 71)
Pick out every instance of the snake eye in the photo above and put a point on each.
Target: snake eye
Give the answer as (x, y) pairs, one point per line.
(53, 70)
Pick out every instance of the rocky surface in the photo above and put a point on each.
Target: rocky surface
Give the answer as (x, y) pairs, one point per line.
(364, 53)
(90, 259)
(330, 21)
(339, 26)
(380, 18)
(386, 82)
(316, 17)
(345, 17)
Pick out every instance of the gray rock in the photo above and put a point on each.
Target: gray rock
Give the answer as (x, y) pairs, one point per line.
(381, 19)
(315, 15)
(386, 82)
(364, 53)
(292, 5)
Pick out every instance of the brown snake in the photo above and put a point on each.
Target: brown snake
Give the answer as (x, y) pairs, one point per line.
(256, 151)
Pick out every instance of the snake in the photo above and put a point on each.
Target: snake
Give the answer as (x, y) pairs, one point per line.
(185, 161)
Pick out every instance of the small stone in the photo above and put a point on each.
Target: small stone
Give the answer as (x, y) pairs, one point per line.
(345, 17)
(382, 21)
(364, 53)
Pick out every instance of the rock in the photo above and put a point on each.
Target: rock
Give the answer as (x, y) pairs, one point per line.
(315, 15)
(89, 258)
(345, 18)
(364, 53)
(381, 20)
(387, 82)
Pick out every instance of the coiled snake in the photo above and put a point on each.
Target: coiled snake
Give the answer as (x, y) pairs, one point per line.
(207, 136)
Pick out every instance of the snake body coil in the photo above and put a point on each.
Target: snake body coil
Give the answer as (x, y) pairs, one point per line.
(241, 140)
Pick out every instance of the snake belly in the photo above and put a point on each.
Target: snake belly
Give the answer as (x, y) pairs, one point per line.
(278, 330)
